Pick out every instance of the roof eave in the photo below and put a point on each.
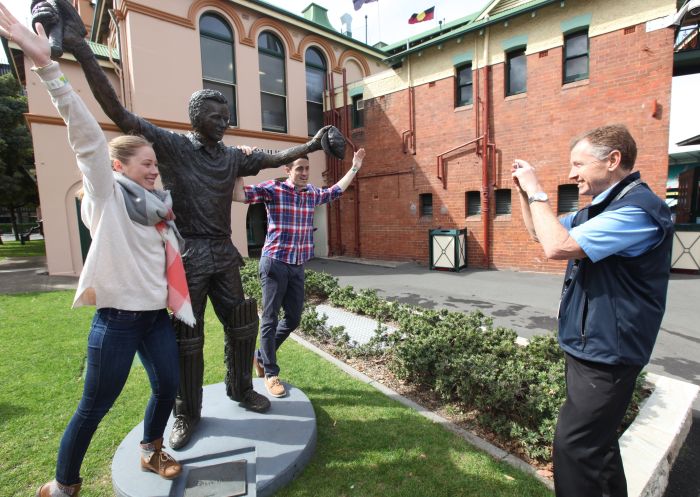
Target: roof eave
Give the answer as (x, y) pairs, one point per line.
(312, 25)
(474, 26)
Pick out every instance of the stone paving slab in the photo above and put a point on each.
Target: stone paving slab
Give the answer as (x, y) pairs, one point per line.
(360, 329)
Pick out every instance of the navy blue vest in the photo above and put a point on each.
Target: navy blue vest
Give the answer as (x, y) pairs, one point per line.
(611, 310)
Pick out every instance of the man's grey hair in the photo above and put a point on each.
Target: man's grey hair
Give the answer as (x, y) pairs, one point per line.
(606, 139)
(197, 101)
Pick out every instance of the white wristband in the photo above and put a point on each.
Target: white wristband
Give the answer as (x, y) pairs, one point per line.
(54, 84)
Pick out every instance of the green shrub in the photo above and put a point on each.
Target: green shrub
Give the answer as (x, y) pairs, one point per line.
(517, 391)
(21, 227)
(317, 286)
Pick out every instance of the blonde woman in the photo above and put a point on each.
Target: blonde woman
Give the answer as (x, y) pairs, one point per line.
(132, 273)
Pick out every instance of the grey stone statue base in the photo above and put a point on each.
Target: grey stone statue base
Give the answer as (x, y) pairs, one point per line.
(271, 449)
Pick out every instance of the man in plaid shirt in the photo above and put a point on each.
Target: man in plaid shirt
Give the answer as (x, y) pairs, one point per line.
(289, 243)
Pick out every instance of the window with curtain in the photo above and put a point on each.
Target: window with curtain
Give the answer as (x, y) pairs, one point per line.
(575, 56)
(516, 72)
(358, 112)
(503, 205)
(218, 59)
(463, 85)
(426, 204)
(273, 83)
(473, 203)
(567, 199)
(315, 80)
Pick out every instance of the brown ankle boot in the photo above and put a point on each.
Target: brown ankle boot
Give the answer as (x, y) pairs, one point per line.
(155, 459)
(55, 489)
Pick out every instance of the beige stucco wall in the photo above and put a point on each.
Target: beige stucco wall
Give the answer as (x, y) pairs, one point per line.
(162, 68)
(543, 32)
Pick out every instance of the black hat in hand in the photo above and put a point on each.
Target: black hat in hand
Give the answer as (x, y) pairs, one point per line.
(333, 143)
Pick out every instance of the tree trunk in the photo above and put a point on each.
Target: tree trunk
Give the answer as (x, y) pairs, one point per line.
(13, 220)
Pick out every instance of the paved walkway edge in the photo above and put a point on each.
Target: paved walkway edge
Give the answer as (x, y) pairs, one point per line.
(649, 446)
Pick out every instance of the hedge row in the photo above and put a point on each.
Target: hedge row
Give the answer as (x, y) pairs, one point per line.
(516, 391)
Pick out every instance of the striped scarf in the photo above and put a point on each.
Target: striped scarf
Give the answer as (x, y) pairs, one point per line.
(154, 208)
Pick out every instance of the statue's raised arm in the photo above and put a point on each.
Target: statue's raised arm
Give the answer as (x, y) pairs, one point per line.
(67, 33)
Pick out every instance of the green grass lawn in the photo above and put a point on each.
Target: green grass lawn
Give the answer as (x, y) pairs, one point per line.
(16, 249)
(368, 445)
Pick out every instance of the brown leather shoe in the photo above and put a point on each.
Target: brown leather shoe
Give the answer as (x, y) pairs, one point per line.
(159, 461)
(55, 489)
(259, 370)
(275, 387)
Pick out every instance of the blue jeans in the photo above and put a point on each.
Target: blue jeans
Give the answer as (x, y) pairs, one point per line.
(115, 338)
(282, 287)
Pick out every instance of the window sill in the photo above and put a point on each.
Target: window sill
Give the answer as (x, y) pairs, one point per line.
(473, 218)
(576, 84)
(463, 108)
(517, 96)
(499, 218)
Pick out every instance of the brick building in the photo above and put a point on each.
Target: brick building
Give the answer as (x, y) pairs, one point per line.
(518, 79)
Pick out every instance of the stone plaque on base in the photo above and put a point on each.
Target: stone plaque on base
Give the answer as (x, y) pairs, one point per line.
(226, 479)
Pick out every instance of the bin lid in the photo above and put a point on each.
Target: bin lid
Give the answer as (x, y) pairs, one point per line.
(447, 232)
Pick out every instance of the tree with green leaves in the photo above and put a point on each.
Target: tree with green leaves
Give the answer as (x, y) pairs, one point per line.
(17, 183)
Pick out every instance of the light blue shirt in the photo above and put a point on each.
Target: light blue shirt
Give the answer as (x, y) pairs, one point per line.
(628, 231)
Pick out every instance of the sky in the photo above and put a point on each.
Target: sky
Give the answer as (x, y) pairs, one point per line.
(387, 20)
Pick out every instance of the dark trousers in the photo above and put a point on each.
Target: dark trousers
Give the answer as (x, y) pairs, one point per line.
(116, 336)
(282, 287)
(587, 460)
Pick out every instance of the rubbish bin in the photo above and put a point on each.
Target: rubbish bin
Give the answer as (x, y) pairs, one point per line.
(448, 249)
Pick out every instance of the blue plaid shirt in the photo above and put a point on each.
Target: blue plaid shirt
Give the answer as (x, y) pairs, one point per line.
(290, 217)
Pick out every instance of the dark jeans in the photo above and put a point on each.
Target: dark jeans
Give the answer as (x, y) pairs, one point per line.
(282, 287)
(115, 338)
(587, 460)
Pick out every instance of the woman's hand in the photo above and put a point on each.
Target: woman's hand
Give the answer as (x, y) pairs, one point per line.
(34, 46)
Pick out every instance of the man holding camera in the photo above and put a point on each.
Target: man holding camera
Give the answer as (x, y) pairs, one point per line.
(612, 302)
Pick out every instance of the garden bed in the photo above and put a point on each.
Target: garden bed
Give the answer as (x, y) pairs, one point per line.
(455, 364)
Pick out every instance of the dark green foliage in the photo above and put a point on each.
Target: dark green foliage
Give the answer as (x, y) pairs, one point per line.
(517, 391)
(17, 185)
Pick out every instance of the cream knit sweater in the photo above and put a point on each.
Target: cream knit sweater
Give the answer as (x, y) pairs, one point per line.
(125, 267)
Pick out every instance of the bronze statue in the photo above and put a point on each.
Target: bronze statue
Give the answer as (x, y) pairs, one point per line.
(200, 171)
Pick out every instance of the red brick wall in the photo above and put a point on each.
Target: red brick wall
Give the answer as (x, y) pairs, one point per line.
(627, 73)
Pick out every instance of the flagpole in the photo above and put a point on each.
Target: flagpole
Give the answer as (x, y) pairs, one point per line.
(379, 24)
(365, 29)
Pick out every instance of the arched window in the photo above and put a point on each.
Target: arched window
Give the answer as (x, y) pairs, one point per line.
(315, 79)
(218, 61)
(273, 83)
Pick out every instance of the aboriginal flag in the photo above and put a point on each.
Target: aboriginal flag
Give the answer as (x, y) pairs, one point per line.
(426, 15)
